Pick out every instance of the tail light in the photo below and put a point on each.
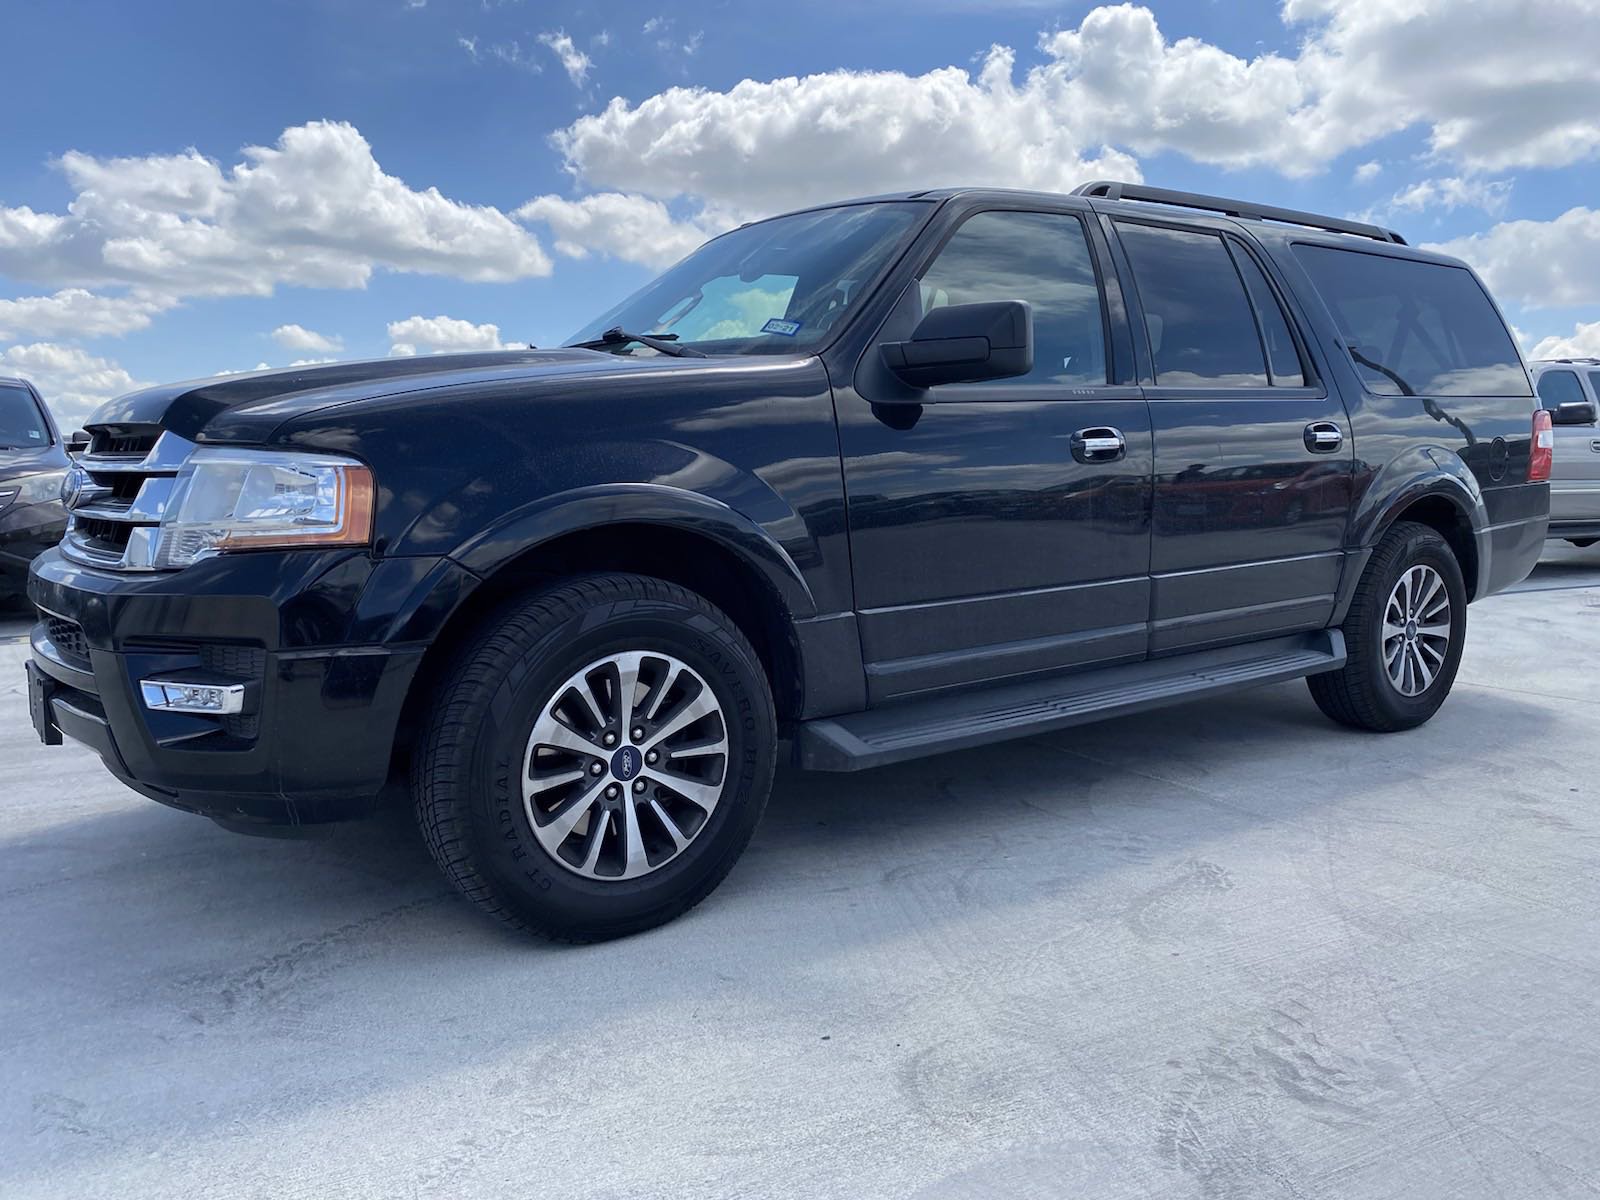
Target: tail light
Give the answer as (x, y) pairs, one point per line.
(1542, 454)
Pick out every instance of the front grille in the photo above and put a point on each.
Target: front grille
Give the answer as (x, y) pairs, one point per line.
(67, 637)
(117, 492)
(121, 439)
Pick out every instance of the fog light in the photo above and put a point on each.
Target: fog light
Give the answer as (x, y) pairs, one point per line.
(165, 695)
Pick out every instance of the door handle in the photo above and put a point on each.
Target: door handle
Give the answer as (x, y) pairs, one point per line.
(1323, 437)
(1101, 444)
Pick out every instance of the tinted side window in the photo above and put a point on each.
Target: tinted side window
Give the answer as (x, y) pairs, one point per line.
(1283, 359)
(1560, 387)
(1042, 258)
(1202, 331)
(1594, 384)
(1415, 328)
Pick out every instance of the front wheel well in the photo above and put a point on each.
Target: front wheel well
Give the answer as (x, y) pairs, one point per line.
(665, 552)
(1450, 523)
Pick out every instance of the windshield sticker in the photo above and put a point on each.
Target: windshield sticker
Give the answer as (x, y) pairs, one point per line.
(779, 325)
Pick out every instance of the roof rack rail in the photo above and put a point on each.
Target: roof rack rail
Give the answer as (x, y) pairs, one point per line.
(1586, 359)
(1108, 189)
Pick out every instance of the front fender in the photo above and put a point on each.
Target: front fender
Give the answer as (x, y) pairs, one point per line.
(640, 504)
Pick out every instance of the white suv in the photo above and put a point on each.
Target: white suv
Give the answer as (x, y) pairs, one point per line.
(1570, 389)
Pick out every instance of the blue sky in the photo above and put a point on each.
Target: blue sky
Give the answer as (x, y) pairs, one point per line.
(440, 174)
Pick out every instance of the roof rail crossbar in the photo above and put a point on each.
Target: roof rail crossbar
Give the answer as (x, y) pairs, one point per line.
(1108, 189)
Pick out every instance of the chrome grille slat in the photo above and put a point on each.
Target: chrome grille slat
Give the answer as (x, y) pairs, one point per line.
(116, 508)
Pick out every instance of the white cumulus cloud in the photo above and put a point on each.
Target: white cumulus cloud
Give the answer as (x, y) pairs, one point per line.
(1115, 88)
(314, 210)
(73, 382)
(1491, 195)
(298, 337)
(633, 228)
(1583, 342)
(1540, 264)
(440, 335)
(78, 312)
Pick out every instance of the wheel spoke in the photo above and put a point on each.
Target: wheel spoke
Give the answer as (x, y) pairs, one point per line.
(1431, 585)
(551, 734)
(701, 749)
(702, 705)
(1392, 631)
(634, 860)
(544, 783)
(673, 674)
(702, 795)
(1442, 632)
(583, 693)
(1421, 669)
(597, 839)
(671, 826)
(627, 666)
(559, 828)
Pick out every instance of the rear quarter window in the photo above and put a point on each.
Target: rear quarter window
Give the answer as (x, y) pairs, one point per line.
(1415, 328)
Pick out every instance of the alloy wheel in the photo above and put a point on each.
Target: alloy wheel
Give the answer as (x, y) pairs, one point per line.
(625, 765)
(1416, 630)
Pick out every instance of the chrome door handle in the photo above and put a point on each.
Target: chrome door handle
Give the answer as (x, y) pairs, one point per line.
(1098, 445)
(1323, 437)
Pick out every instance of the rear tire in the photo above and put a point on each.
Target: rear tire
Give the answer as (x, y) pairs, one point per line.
(531, 784)
(1403, 635)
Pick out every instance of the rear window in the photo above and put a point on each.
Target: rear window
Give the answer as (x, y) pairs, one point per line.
(21, 423)
(1415, 328)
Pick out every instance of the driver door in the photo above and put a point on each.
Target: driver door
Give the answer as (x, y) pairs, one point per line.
(990, 536)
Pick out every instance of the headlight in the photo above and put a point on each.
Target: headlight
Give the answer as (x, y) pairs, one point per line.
(254, 500)
(32, 489)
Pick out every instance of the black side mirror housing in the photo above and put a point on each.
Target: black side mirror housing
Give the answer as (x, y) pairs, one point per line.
(965, 343)
(1574, 412)
(77, 442)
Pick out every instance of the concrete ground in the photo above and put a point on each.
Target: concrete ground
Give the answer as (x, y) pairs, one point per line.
(1225, 950)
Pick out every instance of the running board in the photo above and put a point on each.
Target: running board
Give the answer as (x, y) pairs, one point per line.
(915, 728)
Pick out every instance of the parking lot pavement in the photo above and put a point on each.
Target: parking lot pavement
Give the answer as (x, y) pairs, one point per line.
(1225, 950)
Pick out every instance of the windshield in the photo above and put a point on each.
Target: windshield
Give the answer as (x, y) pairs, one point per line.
(21, 422)
(776, 287)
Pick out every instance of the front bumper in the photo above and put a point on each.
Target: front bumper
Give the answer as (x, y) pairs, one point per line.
(26, 532)
(326, 644)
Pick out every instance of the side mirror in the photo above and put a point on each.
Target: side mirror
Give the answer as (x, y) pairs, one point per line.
(1574, 412)
(77, 442)
(965, 343)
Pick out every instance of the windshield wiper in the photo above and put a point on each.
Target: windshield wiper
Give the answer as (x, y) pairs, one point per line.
(661, 343)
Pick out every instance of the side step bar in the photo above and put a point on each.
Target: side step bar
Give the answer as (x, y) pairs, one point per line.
(916, 728)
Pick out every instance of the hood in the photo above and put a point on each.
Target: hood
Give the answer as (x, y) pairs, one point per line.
(30, 460)
(248, 407)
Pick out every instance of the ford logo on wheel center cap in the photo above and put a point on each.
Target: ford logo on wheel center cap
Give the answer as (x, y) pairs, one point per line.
(626, 763)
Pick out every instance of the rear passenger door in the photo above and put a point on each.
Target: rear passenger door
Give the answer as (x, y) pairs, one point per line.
(1575, 476)
(1253, 456)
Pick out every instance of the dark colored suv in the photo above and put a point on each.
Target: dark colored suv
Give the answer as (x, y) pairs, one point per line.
(33, 463)
(861, 483)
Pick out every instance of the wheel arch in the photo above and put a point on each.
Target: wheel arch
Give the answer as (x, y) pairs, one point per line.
(719, 567)
(1432, 487)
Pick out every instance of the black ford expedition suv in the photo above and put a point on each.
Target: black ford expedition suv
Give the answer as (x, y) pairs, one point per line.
(861, 483)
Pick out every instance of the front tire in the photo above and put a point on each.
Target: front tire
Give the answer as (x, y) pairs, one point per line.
(1403, 635)
(598, 760)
